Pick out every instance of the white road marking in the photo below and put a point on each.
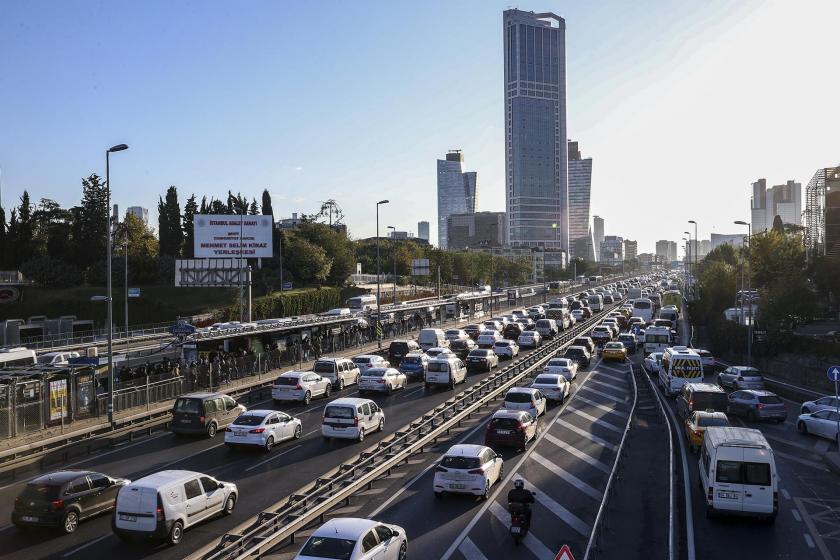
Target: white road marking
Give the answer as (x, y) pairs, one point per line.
(530, 541)
(568, 517)
(87, 544)
(608, 385)
(606, 395)
(809, 541)
(822, 445)
(796, 515)
(589, 435)
(595, 420)
(273, 457)
(600, 406)
(568, 477)
(470, 550)
(786, 441)
(579, 454)
(604, 368)
(785, 493)
(411, 392)
(806, 462)
(190, 456)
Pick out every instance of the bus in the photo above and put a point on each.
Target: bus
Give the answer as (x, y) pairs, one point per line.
(642, 307)
(657, 339)
(362, 303)
(672, 297)
(19, 356)
(680, 365)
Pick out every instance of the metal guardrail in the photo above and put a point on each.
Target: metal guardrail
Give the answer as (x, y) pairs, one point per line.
(290, 515)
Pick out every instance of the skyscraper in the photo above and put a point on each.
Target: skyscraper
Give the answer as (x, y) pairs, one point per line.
(631, 249)
(140, 212)
(784, 201)
(536, 158)
(423, 230)
(822, 213)
(455, 189)
(598, 235)
(580, 188)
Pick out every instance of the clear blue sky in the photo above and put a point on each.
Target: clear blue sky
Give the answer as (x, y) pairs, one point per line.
(681, 104)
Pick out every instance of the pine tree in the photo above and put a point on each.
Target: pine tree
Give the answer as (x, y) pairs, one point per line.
(3, 237)
(169, 220)
(267, 210)
(93, 222)
(204, 207)
(11, 241)
(254, 208)
(190, 210)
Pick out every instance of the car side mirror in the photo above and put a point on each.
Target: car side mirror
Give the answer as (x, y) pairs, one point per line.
(221, 486)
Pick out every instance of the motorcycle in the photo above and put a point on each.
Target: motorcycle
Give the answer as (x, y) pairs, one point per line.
(519, 523)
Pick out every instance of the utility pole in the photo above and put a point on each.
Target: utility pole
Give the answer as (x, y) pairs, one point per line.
(126, 291)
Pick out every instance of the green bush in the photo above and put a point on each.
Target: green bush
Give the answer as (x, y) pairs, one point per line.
(287, 304)
(50, 272)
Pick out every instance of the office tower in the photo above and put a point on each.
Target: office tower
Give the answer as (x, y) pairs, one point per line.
(580, 188)
(479, 229)
(783, 200)
(612, 250)
(423, 230)
(456, 191)
(536, 157)
(631, 249)
(140, 212)
(822, 213)
(598, 235)
(584, 247)
(666, 250)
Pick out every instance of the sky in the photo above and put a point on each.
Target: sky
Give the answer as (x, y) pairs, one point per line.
(681, 105)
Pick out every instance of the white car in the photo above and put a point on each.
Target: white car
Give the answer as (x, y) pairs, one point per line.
(529, 339)
(468, 469)
(382, 379)
(506, 349)
(554, 386)
(577, 314)
(355, 539)
(56, 358)
(367, 361)
(262, 428)
(300, 386)
(456, 334)
(351, 418)
(435, 352)
(822, 423)
(566, 367)
(652, 362)
(487, 338)
(823, 403)
(525, 398)
(706, 358)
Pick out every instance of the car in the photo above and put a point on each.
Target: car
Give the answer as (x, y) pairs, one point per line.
(56, 358)
(262, 428)
(823, 403)
(382, 379)
(586, 342)
(414, 364)
(468, 469)
(652, 362)
(204, 413)
(555, 386)
(614, 351)
(300, 386)
(510, 428)
(587, 311)
(399, 349)
(512, 331)
(492, 325)
(613, 326)
(339, 371)
(367, 361)
(506, 349)
(580, 354)
(473, 330)
(433, 353)
(707, 358)
(161, 505)
(455, 334)
(462, 347)
(601, 334)
(482, 359)
(566, 367)
(445, 371)
(525, 398)
(695, 426)
(757, 405)
(629, 342)
(577, 314)
(548, 328)
(740, 377)
(488, 338)
(821, 423)
(355, 539)
(63, 499)
(351, 418)
(701, 396)
(529, 339)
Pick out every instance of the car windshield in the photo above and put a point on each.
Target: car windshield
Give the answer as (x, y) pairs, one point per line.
(574, 352)
(339, 412)
(457, 462)
(324, 367)
(709, 421)
(376, 372)
(328, 547)
(518, 398)
(249, 420)
(546, 380)
(769, 399)
(40, 492)
(187, 406)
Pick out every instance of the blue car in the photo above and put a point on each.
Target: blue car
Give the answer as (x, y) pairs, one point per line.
(414, 364)
(629, 342)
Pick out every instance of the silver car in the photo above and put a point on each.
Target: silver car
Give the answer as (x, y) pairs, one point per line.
(824, 403)
(757, 405)
(382, 379)
(300, 386)
(822, 423)
(740, 377)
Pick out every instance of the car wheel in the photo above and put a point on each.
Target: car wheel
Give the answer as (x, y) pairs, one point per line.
(298, 431)
(361, 434)
(381, 424)
(176, 533)
(403, 551)
(328, 390)
(307, 398)
(389, 390)
(212, 429)
(269, 443)
(438, 495)
(70, 522)
(802, 427)
(341, 384)
(486, 493)
(230, 503)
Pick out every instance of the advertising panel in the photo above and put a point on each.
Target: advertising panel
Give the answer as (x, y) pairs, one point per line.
(219, 236)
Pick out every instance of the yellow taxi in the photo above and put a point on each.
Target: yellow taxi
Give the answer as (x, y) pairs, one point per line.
(615, 351)
(696, 424)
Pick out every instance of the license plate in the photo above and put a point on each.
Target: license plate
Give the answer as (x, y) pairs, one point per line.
(728, 495)
(503, 432)
(239, 434)
(458, 486)
(338, 427)
(124, 517)
(29, 518)
(515, 530)
(184, 420)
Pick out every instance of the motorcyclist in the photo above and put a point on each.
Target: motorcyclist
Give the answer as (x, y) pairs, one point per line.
(521, 497)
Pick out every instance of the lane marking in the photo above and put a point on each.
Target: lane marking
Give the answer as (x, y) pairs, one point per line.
(609, 386)
(595, 420)
(289, 450)
(568, 517)
(589, 435)
(796, 515)
(822, 445)
(614, 370)
(407, 393)
(809, 541)
(190, 456)
(87, 544)
(579, 454)
(470, 550)
(613, 398)
(568, 477)
(806, 462)
(600, 406)
(785, 493)
(530, 541)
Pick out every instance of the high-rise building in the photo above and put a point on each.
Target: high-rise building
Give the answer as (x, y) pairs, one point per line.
(631, 249)
(784, 201)
(140, 212)
(822, 213)
(598, 235)
(580, 189)
(584, 247)
(536, 157)
(423, 230)
(612, 250)
(479, 229)
(666, 251)
(400, 235)
(455, 189)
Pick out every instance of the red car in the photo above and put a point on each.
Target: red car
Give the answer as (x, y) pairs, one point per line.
(510, 428)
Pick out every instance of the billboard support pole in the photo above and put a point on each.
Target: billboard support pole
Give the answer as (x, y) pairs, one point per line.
(249, 293)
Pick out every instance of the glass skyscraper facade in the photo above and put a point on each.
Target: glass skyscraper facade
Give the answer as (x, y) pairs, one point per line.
(456, 191)
(580, 189)
(536, 159)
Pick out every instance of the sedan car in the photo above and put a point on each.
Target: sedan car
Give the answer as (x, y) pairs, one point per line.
(510, 428)
(823, 403)
(506, 349)
(473, 330)
(529, 339)
(554, 386)
(567, 367)
(525, 398)
(355, 539)
(740, 377)
(62, 499)
(696, 424)
(481, 359)
(367, 361)
(822, 423)
(706, 358)
(300, 386)
(439, 352)
(382, 379)
(263, 429)
(652, 362)
(757, 405)
(615, 351)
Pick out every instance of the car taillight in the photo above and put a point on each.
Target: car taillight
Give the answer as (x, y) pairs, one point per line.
(476, 471)
(201, 419)
(380, 381)
(298, 387)
(691, 403)
(759, 406)
(159, 514)
(710, 493)
(256, 431)
(56, 505)
(356, 421)
(520, 427)
(228, 429)
(697, 433)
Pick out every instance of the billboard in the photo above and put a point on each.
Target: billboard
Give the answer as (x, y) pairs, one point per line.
(219, 236)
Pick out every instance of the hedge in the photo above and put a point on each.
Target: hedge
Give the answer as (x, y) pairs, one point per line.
(288, 304)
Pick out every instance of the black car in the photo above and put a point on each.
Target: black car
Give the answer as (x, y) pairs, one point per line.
(399, 349)
(204, 413)
(579, 354)
(512, 331)
(473, 331)
(62, 499)
(462, 347)
(575, 304)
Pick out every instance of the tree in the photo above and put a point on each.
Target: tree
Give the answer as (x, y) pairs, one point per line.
(190, 210)
(3, 237)
(338, 250)
(93, 223)
(142, 248)
(23, 238)
(267, 209)
(254, 208)
(307, 262)
(778, 225)
(169, 224)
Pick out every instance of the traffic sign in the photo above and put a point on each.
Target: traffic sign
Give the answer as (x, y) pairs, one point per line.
(564, 554)
(182, 329)
(834, 373)
(134, 292)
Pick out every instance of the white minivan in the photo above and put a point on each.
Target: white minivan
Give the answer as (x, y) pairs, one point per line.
(445, 371)
(432, 338)
(163, 504)
(738, 473)
(351, 418)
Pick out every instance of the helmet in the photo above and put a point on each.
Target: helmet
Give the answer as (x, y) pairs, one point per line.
(519, 484)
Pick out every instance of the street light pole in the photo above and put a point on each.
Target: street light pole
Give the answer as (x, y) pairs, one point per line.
(117, 148)
(378, 279)
(696, 245)
(749, 289)
(393, 229)
(125, 248)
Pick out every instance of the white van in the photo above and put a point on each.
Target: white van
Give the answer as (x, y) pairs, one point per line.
(340, 371)
(680, 365)
(738, 473)
(657, 339)
(445, 371)
(596, 302)
(432, 338)
(642, 307)
(352, 418)
(162, 505)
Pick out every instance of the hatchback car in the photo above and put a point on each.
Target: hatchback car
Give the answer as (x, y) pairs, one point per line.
(740, 377)
(473, 330)
(567, 367)
(652, 362)
(822, 423)
(757, 405)
(468, 469)
(579, 354)
(455, 334)
(506, 349)
(481, 359)
(382, 379)
(554, 386)
(488, 338)
(615, 351)
(707, 358)
(355, 539)
(525, 398)
(529, 339)
(62, 499)
(414, 365)
(367, 361)
(577, 314)
(300, 386)
(601, 334)
(262, 428)
(510, 428)
(399, 349)
(462, 347)
(629, 342)
(204, 413)
(512, 331)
